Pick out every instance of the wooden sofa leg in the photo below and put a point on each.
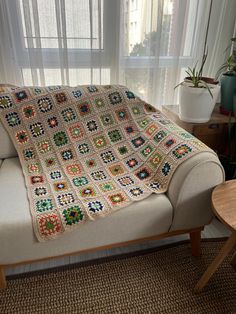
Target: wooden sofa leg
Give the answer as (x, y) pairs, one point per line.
(233, 261)
(195, 238)
(3, 282)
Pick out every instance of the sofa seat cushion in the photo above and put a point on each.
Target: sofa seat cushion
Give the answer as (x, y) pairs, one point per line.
(149, 217)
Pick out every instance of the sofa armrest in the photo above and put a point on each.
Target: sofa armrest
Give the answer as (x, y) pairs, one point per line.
(190, 190)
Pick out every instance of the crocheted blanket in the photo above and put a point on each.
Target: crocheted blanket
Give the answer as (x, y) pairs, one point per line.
(87, 151)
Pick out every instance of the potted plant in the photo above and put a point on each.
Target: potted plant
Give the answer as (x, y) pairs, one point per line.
(227, 74)
(197, 97)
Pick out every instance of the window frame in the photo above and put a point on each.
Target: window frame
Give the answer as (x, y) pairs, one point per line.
(79, 58)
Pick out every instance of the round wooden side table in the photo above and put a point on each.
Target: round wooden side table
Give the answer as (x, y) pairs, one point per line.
(224, 207)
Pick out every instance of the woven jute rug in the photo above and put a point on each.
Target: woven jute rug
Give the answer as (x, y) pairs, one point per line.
(154, 281)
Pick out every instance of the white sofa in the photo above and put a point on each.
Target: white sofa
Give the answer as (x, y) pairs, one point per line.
(185, 208)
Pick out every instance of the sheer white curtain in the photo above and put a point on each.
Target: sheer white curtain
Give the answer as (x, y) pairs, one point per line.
(163, 38)
(144, 44)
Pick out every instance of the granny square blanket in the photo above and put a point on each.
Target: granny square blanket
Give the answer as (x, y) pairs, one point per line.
(87, 151)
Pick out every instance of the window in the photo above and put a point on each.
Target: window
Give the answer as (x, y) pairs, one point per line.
(162, 37)
(144, 44)
(55, 34)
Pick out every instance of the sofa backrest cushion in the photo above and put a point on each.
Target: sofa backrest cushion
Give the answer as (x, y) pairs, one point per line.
(7, 148)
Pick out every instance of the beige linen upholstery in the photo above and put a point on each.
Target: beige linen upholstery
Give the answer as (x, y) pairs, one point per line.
(189, 194)
(190, 190)
(7, 148)
(17, 242)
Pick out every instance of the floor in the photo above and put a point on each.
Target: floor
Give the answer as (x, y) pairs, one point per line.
(214, 230)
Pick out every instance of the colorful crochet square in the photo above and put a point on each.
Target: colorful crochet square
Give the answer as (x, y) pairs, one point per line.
(49, 225)
(72, 215)
(115, 98)
(92, 89)
(22, 137)
(49, 162)
(151, 129)
(84, 109)
(92, 126)
(166, 169)
(99, 102)
(137, 142)
(116, 170)
(5, 102)
(44, 204)
(65, 199)
(80, 181)
(131, 163)
(13, 119)
(123, 150)
(77, 93)
(67, 154)
(28, 153)
(98, 175)
(125, 181)
(52, 122)
(88, 191)
(107, 119)
(130, 95)
(88, 150)
(146, 151)
(143, 123)
(34, 167)
(60, 186)
(107, 186)
(143, 174)
(40, 191)
(61, 97)
(37, 129)
(68, 114)
(155, 160)
(130, 129)
(182, 151)
(29, 112)
(117, 199)
(100, 141)
(60, 138)
(83, 148)
(136, 192)
(55, 175)
(95, 206)
(76, 132)
(44, 146)
(122, 114)
(136, 110)
(108, 157)
(91, 163)
(160, 135)
(73, 169)
(45, 104)
(36, 179)
(114, 136)
(21, 96)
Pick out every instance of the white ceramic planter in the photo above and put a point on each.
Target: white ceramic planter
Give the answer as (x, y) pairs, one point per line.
(196, 104)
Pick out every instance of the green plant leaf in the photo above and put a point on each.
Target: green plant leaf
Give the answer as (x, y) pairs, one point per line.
(207, 87)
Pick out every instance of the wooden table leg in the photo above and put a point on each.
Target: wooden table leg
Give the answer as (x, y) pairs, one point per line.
(228, 246)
